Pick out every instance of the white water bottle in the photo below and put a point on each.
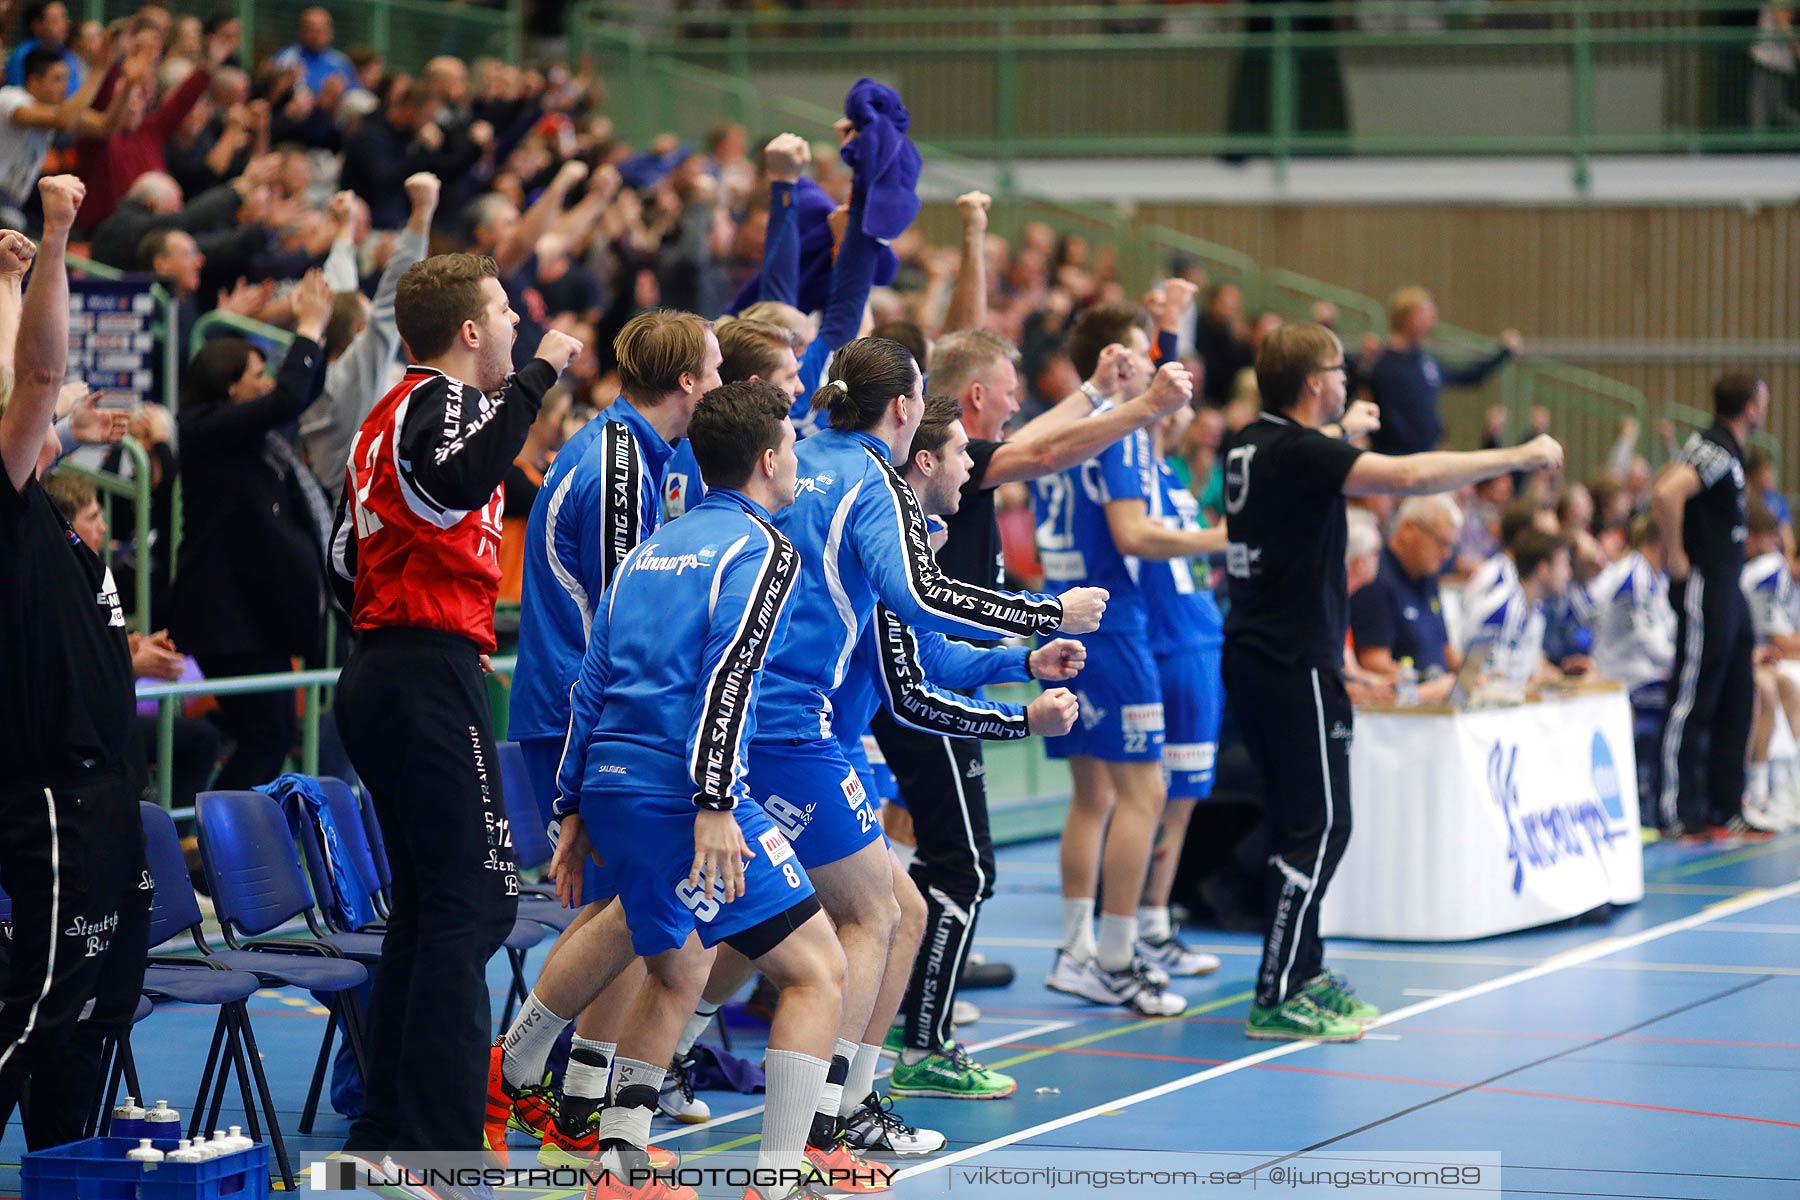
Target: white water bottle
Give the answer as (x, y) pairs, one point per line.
(236, 1139)
(184, 1152)
(128, 1120)
(1406, 685)
(145, 1152)
(162, 1123)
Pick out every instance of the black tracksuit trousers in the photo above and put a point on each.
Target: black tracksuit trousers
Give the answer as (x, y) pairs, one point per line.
(1711, 695)
(412, 708)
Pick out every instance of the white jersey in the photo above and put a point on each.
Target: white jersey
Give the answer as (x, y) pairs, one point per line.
(1769, 586)
(1633, 624)
(1509, 629)
(22, 150)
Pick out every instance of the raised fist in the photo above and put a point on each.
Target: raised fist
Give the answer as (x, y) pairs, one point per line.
(1172, 388)
(422, 191)
(62, 196)
(558, 349)
(786, 157)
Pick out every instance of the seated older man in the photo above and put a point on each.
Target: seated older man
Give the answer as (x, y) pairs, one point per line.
(1400, 615)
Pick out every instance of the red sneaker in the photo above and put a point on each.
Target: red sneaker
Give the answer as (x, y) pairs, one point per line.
(841, 1169)
(510, 1106)
(609, 1188)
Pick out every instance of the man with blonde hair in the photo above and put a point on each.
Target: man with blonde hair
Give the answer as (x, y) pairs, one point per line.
(1285, 485)
(601, 497)
(1406, 379)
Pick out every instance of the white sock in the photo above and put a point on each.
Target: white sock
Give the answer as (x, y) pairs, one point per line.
(1153, 924)
(585, 1078)
(1078, 928)
(703, 1016)
(912, 1057)
(793, 1083)
(831, 1095)
(862, 1078)
(1117, 935)
(1758, 776)
(630, 1122)
(528, 1042)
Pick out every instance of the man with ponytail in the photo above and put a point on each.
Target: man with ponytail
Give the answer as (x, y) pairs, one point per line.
(861, 535)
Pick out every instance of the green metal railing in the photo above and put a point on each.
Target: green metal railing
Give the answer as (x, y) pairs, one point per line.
(405, 32)
(1565, 77)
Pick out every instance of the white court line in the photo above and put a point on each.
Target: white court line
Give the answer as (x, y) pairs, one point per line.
(1424, 991)
(1022, 1036)
(1380, 1037)
(1550, 966)
(1749, 927)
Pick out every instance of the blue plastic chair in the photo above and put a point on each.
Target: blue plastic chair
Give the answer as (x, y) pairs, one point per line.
(253, 870)
(204, 981)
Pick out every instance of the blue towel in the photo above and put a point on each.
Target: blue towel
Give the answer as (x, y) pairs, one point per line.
(301, 798)
(884, 159)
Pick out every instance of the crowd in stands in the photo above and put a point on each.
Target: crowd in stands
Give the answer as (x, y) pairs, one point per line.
(295, 189)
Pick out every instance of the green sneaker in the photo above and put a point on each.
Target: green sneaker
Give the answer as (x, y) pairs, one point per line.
(1333, 993)
(951, 1074)
(1300, 1019)
(895, 1042)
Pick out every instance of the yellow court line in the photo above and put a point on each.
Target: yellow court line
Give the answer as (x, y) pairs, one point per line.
(1789, 842)
(1133, 1027)
(1073, 1043)
(1695, 889)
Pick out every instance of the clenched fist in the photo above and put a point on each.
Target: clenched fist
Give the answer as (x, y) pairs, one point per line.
(558, 349)
(1082, 609)
(1057, 661)
(1053, 713)
(62, 196)
(1541, 453)
(786, 156)
(1172, 388)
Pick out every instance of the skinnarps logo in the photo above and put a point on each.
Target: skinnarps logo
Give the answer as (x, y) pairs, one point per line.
(1537, 839)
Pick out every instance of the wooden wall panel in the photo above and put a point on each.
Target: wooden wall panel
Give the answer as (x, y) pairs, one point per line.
(1624, 273)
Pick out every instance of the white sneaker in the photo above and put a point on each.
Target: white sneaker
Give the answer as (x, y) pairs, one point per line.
(875, 1128)
(1176, 958)
(964, 1012)
(677, 1099)
(1759, 815)
(1133, 988)
(1136, 990)
(1068, 975)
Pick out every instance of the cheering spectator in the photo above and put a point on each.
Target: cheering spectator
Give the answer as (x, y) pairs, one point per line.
(391, 145)
(48, 25)
(31, 116)
(245, 486)
(1220, 343)
(361, 340)
(114, 163)
(318, 61)
(1405, 378)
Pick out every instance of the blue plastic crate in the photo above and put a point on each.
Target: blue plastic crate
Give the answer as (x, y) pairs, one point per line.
(97, 1169)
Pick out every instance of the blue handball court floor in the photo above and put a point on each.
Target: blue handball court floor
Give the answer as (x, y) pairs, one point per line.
(1657, 1055)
